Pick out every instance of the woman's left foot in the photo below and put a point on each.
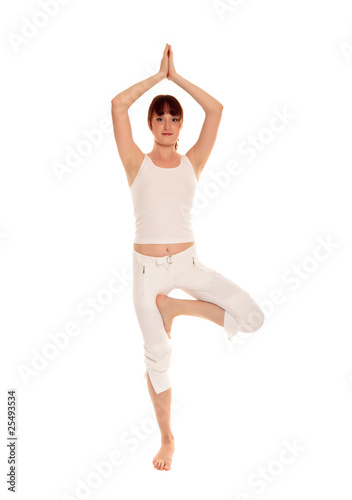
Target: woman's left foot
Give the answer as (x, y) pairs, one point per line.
(164, 304)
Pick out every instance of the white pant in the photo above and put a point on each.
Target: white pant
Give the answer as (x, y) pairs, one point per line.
(184, 271)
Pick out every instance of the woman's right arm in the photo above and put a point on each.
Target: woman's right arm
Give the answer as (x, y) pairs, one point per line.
(126, 98)
(130, 154)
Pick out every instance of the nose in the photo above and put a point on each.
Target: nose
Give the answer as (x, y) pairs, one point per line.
(167, 125)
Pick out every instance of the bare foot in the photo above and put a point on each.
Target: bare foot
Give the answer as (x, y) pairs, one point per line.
(162, 460)
(165, 306)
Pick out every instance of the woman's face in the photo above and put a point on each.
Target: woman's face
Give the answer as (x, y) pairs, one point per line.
(166, 124)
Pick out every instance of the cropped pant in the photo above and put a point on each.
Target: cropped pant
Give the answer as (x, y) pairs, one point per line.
(184, 271)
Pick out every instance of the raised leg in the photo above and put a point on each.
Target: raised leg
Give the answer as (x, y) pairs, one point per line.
(170, 308)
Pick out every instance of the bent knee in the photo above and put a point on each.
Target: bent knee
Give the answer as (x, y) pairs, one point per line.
(246, 311)
(254, 320)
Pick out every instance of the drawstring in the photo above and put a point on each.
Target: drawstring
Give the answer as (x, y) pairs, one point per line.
(165, 261)
(166, 265)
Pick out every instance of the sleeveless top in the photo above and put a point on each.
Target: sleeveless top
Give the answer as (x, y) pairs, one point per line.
(163, 200)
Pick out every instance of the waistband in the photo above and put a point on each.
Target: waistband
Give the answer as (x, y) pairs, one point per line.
(165, 258)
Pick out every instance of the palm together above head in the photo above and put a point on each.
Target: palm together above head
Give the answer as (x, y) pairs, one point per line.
(167, 66)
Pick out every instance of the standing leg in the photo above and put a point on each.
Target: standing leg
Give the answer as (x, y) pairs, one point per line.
(162, 408)
(157, 352)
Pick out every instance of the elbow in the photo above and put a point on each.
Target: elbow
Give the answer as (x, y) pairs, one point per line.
(116, 100)
(218, 106)
(118, 104)
(216, 109)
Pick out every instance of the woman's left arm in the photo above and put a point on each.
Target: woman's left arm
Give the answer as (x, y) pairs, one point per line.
(201, 150)
(208, 103)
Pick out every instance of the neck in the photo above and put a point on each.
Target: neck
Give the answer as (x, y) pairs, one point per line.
(164, 152)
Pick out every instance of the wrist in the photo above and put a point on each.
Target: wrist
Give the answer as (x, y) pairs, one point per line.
(160, 75)
(173, 77)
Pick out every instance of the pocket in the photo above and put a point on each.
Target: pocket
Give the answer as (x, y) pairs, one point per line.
(199, 264)
(183, 269)
(143, 279)
(188, 269)
(139, 278)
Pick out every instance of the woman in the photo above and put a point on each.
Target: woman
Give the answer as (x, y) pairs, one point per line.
(163, 183)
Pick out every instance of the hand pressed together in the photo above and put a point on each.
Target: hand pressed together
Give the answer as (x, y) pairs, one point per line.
(167, 67)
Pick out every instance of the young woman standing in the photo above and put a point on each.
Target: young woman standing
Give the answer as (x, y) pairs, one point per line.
(163, 184)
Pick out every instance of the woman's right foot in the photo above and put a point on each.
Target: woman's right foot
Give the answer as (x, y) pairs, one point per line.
(163, 459)
(165, 306)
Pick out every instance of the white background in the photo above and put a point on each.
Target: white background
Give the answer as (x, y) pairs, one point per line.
(235, 407)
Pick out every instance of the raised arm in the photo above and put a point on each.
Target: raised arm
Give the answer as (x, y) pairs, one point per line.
(130, 154)
(200, 152)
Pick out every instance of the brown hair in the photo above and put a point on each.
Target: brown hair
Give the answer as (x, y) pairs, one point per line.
(165, 103)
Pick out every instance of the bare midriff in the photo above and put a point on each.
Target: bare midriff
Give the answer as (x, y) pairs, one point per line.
(161, 249)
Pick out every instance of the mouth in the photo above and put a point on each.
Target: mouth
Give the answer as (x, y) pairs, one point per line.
(167, 134)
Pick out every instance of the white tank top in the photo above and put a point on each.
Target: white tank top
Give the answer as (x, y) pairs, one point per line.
(163, 200)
